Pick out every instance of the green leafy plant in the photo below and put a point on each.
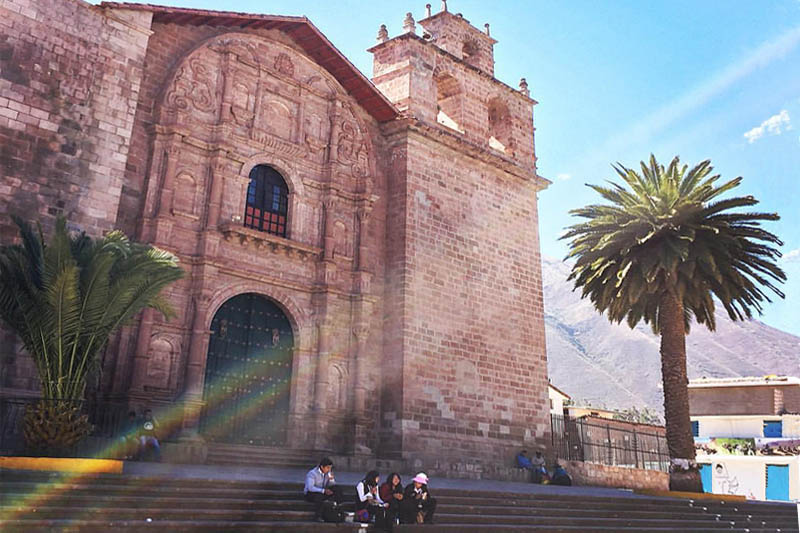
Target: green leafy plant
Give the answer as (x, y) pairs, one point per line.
(664, 249)
(64, 298)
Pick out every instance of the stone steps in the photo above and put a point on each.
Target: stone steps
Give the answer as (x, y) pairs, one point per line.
(33, 503)
(99, 526)
(247, 455)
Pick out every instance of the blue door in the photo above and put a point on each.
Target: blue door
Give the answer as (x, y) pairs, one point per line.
(695, 428)
(773, 429)
(705, 477)
(778, 482)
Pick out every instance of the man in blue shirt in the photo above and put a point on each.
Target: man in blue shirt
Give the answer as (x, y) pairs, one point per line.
(321, 486)
(523, 461)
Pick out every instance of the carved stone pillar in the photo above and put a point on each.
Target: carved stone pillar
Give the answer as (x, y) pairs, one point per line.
(360, 332)
(361, 421)
(227, 90)
(323, 360)
(140, 358)
(168, 189)
(328, 238)
(321, 385)
(336, 126)
(218, 168)
(193, 396)
(363, 216)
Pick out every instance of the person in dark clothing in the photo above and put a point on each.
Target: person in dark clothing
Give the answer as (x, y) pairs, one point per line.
(392, 493)
(128, 438)
(523, 461)
(369, 500)
(417, 506)
(560, 476)
(321, 487)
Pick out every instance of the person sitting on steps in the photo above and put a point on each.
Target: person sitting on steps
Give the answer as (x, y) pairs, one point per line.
(560, 476)
(148, 435)
(129, 439)
(369, 505)
(392, 493)
(539, 469)
(418, 506)
(321, 487)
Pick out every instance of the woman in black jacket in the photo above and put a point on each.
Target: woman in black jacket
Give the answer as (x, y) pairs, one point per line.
(391, 492)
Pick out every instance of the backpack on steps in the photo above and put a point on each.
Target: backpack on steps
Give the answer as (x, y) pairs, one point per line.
(332, 513)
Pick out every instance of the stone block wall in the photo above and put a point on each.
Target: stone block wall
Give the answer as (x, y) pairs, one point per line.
(465, 384)
(69, 82)
(597, 475)
(472, 351)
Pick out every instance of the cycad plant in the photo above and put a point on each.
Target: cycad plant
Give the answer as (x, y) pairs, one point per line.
(64, 298)
(664, 249)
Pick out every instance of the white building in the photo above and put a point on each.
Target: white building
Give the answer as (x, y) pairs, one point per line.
(747, 431)
(557, 399)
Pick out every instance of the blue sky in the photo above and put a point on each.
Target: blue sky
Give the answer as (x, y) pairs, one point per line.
(617, 80)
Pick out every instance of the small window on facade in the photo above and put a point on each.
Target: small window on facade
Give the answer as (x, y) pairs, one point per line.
(267, 201)
(449, 102)
(470, 52)
(773, 428)
(695, 428)
(500, 126)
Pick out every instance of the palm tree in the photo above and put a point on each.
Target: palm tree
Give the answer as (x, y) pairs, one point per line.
(664, 250)
(64, 299)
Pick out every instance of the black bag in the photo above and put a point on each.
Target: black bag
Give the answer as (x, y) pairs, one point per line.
(332, 513)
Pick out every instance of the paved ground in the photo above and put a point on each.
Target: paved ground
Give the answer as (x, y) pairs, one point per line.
(297, 475)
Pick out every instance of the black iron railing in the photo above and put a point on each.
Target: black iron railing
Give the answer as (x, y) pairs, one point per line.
(607, 443)
(107, 419)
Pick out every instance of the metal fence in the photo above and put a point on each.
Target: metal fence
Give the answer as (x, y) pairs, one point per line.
(594, 441)
(106, 418)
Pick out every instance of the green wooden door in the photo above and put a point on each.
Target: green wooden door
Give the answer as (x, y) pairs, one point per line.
(248, 373)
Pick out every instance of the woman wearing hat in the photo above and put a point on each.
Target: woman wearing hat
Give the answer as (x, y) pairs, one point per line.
(417, 506)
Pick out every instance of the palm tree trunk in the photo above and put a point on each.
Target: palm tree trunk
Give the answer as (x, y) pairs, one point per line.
(676, 395)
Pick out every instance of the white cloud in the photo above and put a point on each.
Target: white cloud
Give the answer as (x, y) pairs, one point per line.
(792, 256)
(564, 176)
(774, 125)
(642, 132)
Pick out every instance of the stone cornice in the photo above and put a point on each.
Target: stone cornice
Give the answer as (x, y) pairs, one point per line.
(248, 274)
(236, 232)
(457, 142)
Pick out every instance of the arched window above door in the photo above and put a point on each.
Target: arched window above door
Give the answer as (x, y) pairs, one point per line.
(267, 201)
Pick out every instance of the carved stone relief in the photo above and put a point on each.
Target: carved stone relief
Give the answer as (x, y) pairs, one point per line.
(338, 388)
(284, 65)
(184, 200)
(267, 111)
(243, 101)
(194, 89)
(342, 242)
(278, 115)
(160, 362)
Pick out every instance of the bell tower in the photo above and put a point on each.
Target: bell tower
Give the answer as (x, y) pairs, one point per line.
(465, 365)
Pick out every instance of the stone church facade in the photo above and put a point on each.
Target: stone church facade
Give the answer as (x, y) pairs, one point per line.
(362, 257)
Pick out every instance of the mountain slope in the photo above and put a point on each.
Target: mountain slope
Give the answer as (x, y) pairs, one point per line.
(613, 365)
